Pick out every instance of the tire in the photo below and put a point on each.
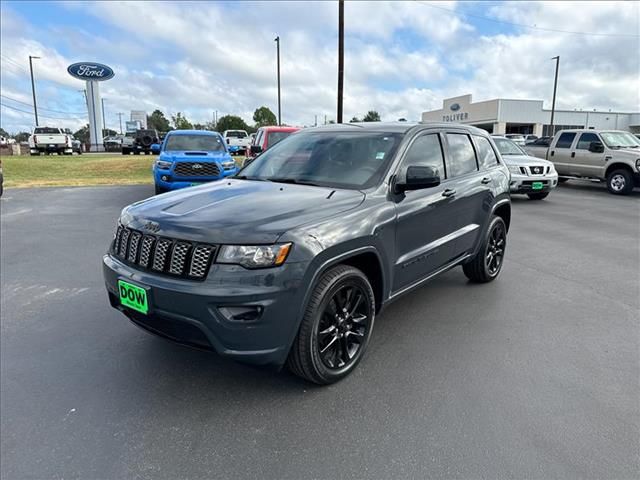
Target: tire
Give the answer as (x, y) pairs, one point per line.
(321, 352)
(159, 190)
(125, 151)
(136, 152)
(35, 154)
(538, 196)
(620, 182)
(478, 269)
(562, 180)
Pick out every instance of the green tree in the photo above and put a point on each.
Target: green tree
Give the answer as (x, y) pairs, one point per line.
(180, 122)
(371, 116)
(157, 121)
(109, 133)
(4, 133)
(354, 120)
(263, 117)
(231, 122)
(83, 134)
(22, 137)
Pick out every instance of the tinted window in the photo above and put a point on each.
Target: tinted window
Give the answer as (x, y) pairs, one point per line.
(207, 143)
(565, 140)
(237, 134)
(462, 158)
(342, 160)
(426, 151)
(585, 140)
(486, 156)
(46, 130)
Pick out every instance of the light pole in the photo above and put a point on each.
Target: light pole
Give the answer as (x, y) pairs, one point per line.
(104, 123)
(33, 88)
(340, 57)
(555, 86)
(120, 118)
(277, 40)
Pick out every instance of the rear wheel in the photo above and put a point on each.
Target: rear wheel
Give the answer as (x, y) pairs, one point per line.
(336, 327)
(125, 151)
(620, 182)
(538, 196)
(487, 263)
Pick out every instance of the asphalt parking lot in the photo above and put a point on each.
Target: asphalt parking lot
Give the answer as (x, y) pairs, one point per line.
(536, 375)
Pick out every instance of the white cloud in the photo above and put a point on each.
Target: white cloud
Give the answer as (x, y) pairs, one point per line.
(401, 58)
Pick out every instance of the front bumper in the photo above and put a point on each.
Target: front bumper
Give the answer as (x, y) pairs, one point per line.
(524, 183)
(173, 183)
(192, 312)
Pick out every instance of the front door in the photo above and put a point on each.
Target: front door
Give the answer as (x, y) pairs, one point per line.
(425, 219)
(562, 155)
(588, 163)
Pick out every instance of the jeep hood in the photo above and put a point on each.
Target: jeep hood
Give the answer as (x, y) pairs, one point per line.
(238, 211)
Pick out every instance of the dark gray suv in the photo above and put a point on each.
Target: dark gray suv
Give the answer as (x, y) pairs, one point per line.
(290, 261)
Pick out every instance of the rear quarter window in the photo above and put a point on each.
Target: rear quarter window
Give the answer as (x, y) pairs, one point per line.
(486, 156)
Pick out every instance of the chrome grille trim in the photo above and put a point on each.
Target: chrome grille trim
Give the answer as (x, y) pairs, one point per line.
(200, 260)
(133, 246)
(178, 258)
(160, 255)
(146, 250)
(124, 241)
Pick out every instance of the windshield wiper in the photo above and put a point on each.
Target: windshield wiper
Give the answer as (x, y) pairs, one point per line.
(292, 180)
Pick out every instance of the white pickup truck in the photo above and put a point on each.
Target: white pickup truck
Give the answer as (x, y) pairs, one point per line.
(612, 156)
(50, 140)
(238, 141)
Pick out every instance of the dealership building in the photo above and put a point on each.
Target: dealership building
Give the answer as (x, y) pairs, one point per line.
(526, 116)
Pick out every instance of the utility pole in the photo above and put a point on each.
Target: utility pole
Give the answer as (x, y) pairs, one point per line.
(340, 57)
(104, 123)
(120, 118)
(315, 120)
(555, 86)
(277, 40)
(33, 88)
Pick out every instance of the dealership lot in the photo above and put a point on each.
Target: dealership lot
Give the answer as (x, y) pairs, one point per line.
(534, 375)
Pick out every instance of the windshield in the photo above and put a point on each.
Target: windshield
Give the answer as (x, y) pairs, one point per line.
(275, 137)
(620, 140)
(181, 143)
(46, 130)
(342, 160)
(236, 134)
(507, 147)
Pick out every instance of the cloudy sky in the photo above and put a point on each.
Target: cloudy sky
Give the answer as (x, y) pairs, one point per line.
(401, 58)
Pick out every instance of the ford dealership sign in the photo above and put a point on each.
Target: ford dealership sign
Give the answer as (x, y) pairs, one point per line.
(90, 71)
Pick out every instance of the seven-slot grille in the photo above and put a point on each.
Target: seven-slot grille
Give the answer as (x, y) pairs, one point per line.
(196, 169)
(163, 255)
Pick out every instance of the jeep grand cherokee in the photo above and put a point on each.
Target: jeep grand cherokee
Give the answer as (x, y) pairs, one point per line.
(291, 260)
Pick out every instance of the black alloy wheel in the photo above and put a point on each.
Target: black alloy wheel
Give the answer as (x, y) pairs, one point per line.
(495, 248)
(343, 327)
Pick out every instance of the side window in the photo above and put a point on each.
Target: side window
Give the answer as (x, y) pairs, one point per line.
(585, 140)
(565, 140)
(426, 151)
(486, 156)
(258, 138)
(462, 158)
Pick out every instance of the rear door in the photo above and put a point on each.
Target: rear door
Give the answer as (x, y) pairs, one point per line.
(562, 154)
(425, 221)
(471, 188)
(588, 163)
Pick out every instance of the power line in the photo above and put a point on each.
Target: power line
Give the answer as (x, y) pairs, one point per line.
(43, 116)
(15, 64)
(42, 108)
(490, 19)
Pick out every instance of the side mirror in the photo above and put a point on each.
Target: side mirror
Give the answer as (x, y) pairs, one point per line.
(417, 178)
(155, 148)
(256, 149)
(596, 147)
(247, 161)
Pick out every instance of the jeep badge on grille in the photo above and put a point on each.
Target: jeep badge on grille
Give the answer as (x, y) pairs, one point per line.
(152, 227)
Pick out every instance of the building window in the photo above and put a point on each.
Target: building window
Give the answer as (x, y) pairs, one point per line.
(546, 130)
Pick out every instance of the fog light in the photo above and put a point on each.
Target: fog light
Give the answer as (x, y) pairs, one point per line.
(164, 178)
(241, 314)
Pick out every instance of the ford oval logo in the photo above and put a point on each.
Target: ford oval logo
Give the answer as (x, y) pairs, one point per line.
(90, 71)
(454, 107)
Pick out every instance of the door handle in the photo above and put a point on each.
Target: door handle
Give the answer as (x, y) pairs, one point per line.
(449, 192)
(573, 154)
(552, 152)
(486, 180)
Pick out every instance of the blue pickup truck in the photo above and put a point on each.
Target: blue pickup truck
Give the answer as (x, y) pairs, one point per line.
(191, 157)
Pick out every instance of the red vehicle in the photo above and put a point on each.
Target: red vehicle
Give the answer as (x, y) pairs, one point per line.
(267, 137)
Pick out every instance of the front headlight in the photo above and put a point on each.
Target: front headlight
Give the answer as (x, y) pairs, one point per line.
(254, 256)
(162, 164)
(514, 169)
(228, 165)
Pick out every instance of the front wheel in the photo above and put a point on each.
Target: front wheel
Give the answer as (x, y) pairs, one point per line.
(160, 190)
(487, 263)
(336, 327)
(620, 182)
(538, 196)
